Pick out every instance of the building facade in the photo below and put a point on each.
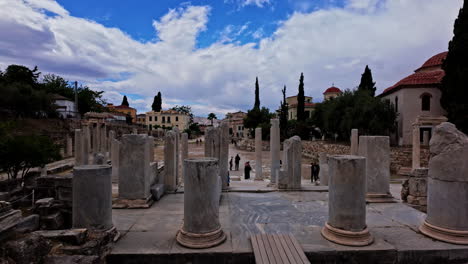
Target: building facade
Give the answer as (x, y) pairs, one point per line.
(141, 119)
(65, 107)
(331, 92)
(132, 112)
(292, 107)
(417, 100)
(236, 124)
(167, 119)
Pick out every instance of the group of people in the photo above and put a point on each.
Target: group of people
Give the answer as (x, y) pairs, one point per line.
(198, 141)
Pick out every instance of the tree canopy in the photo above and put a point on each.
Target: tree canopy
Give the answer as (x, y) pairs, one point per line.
(212, 116)
(367, 83)
(186, 110)
(454, 85)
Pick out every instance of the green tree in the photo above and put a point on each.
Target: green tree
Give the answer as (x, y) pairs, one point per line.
(257, 95)
(157, 103)
(455, 82)
(125, 101)
(186, 110)
(367, 83)
(301, 100)
(283, 117)
(211, 116)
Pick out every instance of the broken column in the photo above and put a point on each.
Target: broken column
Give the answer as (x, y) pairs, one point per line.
(258, 154)
(447, 186)
(92, 197)
(290, 175)
(274, 150)
(109, 142)
(346, 223)
(354, 141)
(79, 155)
(115, 159)
(224, 154)
(103, 139)
(69, 146)
(134, 167)
(201, 228)
(323, 172)
(212, 142)
(376, 150)
(416, 148)
(184, 149)
(177, 153)
(170, 179)
(87, 137)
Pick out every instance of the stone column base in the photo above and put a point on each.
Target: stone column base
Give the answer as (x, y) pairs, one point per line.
(347, 238)
(206, 240)
(379, 198)
(444, 234)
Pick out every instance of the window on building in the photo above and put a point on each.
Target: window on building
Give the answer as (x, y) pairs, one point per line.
(426, 102)
(169, 119)
(150, 118)
(156, 118)
(164, 119)
(396, 103)
(177, 119)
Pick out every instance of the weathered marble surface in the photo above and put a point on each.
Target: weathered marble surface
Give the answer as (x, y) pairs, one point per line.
(274, 150)
(376, 150)
(258, 154)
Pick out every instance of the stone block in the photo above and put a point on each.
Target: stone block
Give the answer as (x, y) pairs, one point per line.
(28, 249)
(28, 224)
(157, 191)
(52, 221)
(75, 259)
(417, 186)
(45, 201)
(75, 236)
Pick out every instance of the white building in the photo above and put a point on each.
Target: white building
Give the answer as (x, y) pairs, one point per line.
(65, 107)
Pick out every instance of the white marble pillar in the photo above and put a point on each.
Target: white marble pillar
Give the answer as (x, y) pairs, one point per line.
(447, 186)
(69, 146)
(346, 223)
(258, 154)
(416, 148)
(109, 142)
(354, 141)
(201, 228)
(184, 150)
(170, 168)
(224, 154)
(274, 150)
(87, 138)
(79, 148)
(376, 150)
(323, 173)
(291, 174)
(115, 159)
(177, 149)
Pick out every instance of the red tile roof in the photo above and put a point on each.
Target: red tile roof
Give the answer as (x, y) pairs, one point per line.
(434, 61)
(123, 107)
(332, 89)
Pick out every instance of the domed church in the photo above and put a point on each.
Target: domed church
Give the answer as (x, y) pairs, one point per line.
(417, 101)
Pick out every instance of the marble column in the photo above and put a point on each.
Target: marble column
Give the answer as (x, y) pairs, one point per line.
(103, 139)
(79, 155)
(323, 173)
(177, 150)
(115, 159)
(151, 147)
(354, 141)
(109, 142)
(447, 186)
(376, 150)
(224, 154)
(426, 138)
(87, 138)
(184, 150)
(416, 148)
(92, 197)
(212, 142)
(346, 223)
(274, 150)
(69, 146)
(291, 174)
(170, 179)
(134, 167)
(258, 154)
(201, 228)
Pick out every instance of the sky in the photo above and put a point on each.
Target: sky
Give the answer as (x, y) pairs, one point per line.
(207, 54)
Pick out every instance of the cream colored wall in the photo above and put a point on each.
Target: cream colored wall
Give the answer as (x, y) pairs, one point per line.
(182, 122)
(409, 107)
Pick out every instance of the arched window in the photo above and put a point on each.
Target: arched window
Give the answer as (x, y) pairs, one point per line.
(396, 104)
(426, 102)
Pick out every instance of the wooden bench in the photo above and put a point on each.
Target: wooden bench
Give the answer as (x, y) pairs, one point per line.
(277, 249)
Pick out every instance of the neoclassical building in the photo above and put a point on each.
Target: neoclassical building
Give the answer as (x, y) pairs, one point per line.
(236, 123)
(167, 119)
(417, 100)
(292, 107)
(331, 92)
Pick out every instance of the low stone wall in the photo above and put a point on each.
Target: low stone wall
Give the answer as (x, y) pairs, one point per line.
(414, 189)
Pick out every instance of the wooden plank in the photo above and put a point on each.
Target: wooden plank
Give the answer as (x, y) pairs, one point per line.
(262, 249)
(287, 250)
(297, 259)
(281, 250)
(256, 249)
(274, 248)
(299, 249)
(268, 249)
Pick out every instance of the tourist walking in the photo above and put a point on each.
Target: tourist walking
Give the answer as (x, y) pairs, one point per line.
(315, 169)
(230, 163)
(237, 160)
(247, 170)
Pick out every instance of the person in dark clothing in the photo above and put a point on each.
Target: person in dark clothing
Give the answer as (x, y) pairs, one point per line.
(230, 164)
(237, 160)
(247, 170)
(315, 169)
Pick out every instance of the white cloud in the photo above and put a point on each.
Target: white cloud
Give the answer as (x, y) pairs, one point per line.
(331, 45)
(259, 3)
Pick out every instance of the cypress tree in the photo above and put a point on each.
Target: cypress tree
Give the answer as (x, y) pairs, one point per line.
(284, 114)
(125, 101)
(157, 103)
(367, 83)
(454, 85)
(257, 95)
(301, 100)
